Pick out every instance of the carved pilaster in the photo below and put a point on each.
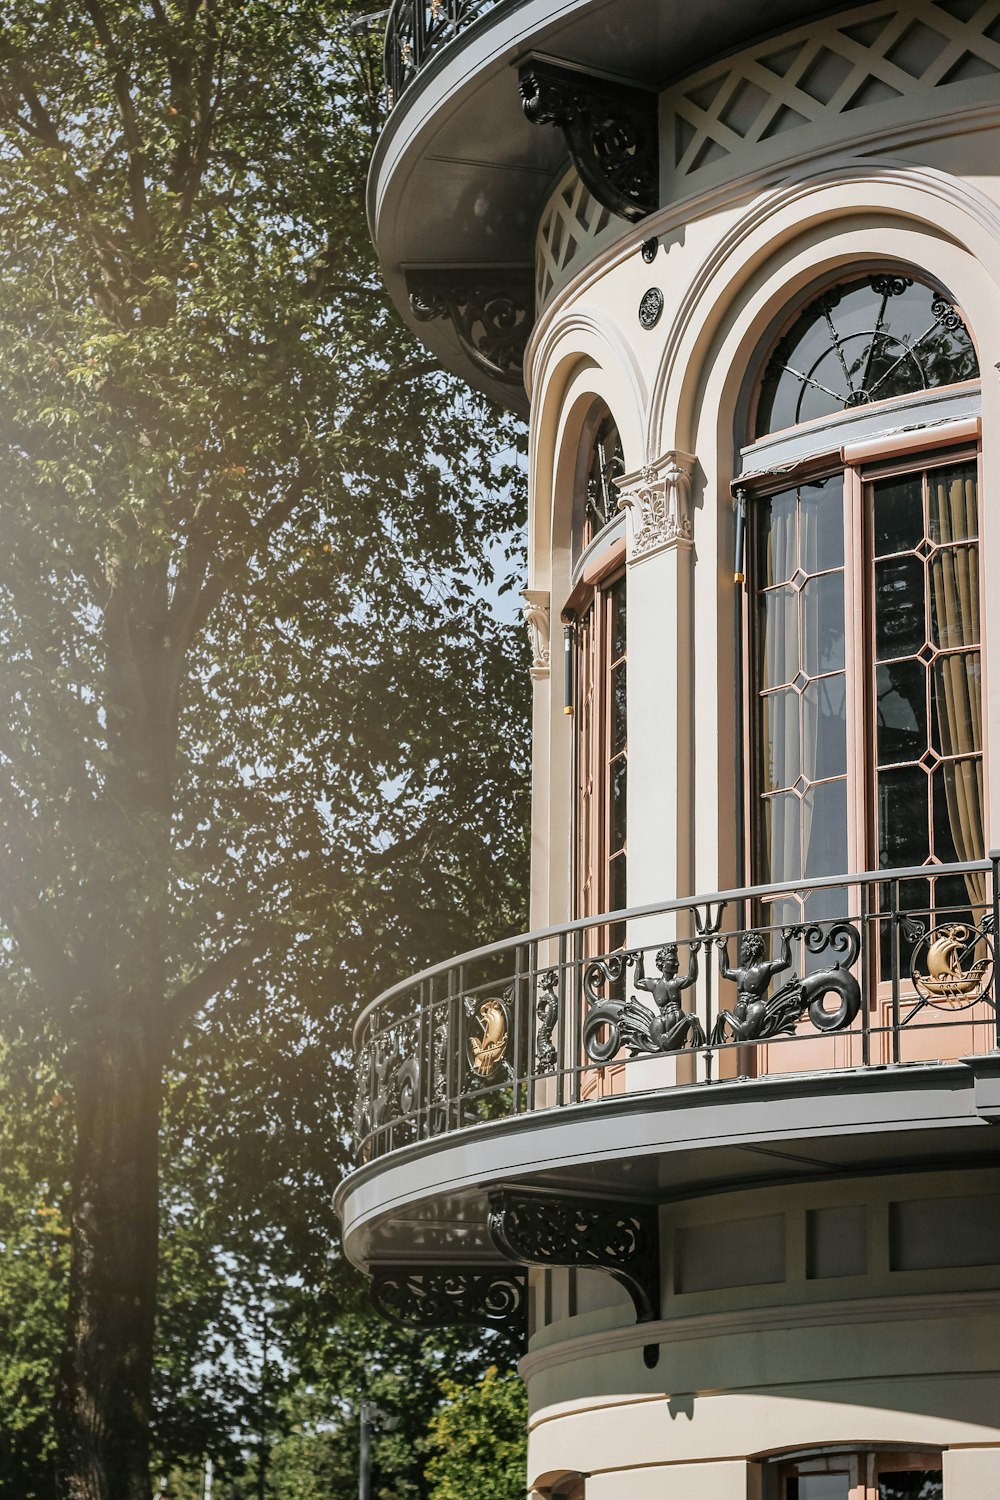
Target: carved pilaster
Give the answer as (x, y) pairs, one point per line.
(659, 499)
(491, 310)
(611, 132)
(439, 1297)
(536, 617)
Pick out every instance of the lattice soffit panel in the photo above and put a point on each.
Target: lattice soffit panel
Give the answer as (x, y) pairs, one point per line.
(573, 227)
(820, 85)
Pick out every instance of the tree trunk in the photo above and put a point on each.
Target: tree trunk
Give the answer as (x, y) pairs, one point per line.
(103, 1398)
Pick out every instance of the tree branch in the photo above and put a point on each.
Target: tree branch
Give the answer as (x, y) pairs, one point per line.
(136, 155)
(191, 997)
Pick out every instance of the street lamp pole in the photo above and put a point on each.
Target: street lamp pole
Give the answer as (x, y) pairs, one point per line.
(368, 1411)
(370, 1414)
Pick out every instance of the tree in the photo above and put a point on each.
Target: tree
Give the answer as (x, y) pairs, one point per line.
(33, 1257)
(246, 531)
(479, 1434)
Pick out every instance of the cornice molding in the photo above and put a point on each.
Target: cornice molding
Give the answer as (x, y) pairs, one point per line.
(780, 1319)
(767, 191)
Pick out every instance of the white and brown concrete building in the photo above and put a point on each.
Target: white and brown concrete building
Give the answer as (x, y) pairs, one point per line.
(720, 1132)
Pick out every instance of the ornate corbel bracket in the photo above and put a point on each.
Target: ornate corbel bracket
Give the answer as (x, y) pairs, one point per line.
(536, 616)
(491, 311)
(660, 501)
(611, 132)
(621, 1239)
(445, 1296)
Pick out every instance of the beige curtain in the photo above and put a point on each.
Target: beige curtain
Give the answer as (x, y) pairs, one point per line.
(954, 580)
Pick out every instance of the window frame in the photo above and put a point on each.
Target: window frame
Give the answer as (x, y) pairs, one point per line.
(863, 1466)
(593, 850)
(925, 451)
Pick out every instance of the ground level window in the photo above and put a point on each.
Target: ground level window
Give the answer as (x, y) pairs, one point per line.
(861, 1476)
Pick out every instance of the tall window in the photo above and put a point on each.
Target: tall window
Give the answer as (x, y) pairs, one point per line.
(864, 600)
(602, 752)
(600, 684)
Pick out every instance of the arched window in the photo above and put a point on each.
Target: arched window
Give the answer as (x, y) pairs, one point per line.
(596, 499)
(864, 340)
(863, 602)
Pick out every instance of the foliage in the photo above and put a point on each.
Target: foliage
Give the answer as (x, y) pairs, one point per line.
(33, 1257)
(264, 748)
(479, 1435)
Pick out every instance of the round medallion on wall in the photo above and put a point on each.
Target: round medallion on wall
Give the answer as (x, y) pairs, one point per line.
(651, 307)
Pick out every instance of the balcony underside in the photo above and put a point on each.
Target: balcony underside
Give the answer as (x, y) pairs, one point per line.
(427, 1203)
(459, 176)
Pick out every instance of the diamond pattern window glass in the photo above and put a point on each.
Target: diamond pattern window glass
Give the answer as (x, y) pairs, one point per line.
(867, 730)
(801, 682)
(602, 754)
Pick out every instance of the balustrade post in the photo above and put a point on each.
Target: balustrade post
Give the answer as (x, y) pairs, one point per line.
(864, 919)
(894, 887)
(576, 1001)
(995, 877)
(517, 1003)
(561, 1021)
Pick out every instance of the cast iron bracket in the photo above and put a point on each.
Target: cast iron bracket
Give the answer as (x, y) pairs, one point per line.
(621, 1239)
(442, 1296)
(611, 132)
(491, 310)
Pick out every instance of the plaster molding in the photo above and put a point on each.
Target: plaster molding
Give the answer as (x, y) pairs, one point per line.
(536, 614)
(876, 1311)
(660, 504)
(764, 197)
(902, 192)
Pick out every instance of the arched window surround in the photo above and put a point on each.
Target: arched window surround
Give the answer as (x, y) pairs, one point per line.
(927, 440)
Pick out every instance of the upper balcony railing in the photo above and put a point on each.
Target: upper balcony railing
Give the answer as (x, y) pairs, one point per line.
(416, 29)
(872, 969)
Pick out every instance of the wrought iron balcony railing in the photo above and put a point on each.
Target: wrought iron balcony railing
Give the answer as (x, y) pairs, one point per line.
(416, 30)
(877, 968)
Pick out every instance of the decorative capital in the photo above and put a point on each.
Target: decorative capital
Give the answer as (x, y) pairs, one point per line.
(444, 1296)
(660, 501)
(611, 132)
(492, 312)
(622, 1239)
(536, 616)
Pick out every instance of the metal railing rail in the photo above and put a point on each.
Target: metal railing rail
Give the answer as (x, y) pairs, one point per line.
(416, 29)
(845, 971)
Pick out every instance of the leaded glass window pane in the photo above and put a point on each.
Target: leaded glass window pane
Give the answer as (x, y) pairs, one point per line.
(801, 683)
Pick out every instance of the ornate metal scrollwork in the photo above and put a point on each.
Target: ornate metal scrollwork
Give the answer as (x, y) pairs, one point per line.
(952, 965)
(547, 1014)
(613, 1024)
(610, 129)
(756, 1016)
(622, 1239)
(388, 1078)
(890, 286)
(492, 313)
(650, 307)
(475, 1296)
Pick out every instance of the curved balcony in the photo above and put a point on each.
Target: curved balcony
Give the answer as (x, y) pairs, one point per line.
(415, 30)
(465, 166)
(859, 1016)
